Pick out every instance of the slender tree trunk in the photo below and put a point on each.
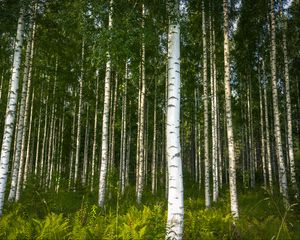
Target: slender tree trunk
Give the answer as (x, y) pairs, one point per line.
(105, 122)
(262, 132)
(123, 134)
(288, 106)
(37, 144)
(11, 110)
(205, 102)
(277, 130)
(86, 150)
(28, 144)
(214, 119)
(141, 158)
(44, 143)
(175, 180)
(230, 138)
(71, 173)
(154, 157)
(267, 134)
(95, 133)
(79, 117)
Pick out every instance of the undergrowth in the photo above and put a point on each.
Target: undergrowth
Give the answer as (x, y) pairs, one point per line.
(58, 216)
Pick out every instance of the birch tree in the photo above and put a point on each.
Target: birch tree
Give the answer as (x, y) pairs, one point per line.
(205, 103)
(175, 180)
(288, 105)
(228, 113)
(105, 121)
(11, 109)
(277, 130)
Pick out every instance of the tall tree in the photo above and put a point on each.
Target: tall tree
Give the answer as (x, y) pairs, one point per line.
(105, 120)
(228, 113)
(11, 109)
(277, 130)
(175, 180)
(288, 105)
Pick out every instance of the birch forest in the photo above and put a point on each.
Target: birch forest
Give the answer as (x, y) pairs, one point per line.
(158, 119)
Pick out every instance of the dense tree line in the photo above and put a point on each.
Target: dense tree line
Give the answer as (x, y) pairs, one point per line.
(160, 95)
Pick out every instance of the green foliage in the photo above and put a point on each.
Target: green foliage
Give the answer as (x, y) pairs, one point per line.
(261, 215)
(15, 225)
(54, 226)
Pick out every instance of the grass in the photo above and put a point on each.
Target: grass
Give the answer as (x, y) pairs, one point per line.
(70, 215)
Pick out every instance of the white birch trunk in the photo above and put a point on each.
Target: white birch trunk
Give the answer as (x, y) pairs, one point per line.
(105, 122)
(95, 133)
(290, 148)
(22, 113)
(37, 144)
(277, 130)
(230, 139)
(214, 119)
(78, 135)
(267, 141)
(86, 150)
(28, 144)
(175, 179)
(11, 110)
(205, 102)
(141, 157)
(154, 163)
(71, 172)
(263, 140)
(124, 135)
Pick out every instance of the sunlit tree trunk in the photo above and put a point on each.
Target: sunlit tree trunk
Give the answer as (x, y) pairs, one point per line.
(105, 122)
(22, 115)
(277, 130)
(228, 113)
(78, 135)
(37, 148)
(214, 119)
(124, 134)
(205, 102)
(290, 148)
(141, 145)
(175, 186)
(11, 110)
(95, 132)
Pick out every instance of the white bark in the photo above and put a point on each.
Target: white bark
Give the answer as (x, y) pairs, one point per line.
(37, 144)
(79, 117)
(22, 113)
(141, 145)
(290, 148)
(86, 150)
(105, 122)
(230, 139)
(277, 130)
(154, 163)
(205, 102)
(28, 144)
(11, 110)
(71, 172)
(95, 133)
(175, 179)
(214, 136)
(263, 140)
(124, 135)
(267, 140)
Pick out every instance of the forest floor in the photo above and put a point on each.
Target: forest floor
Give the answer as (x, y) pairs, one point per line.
(75, 215)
